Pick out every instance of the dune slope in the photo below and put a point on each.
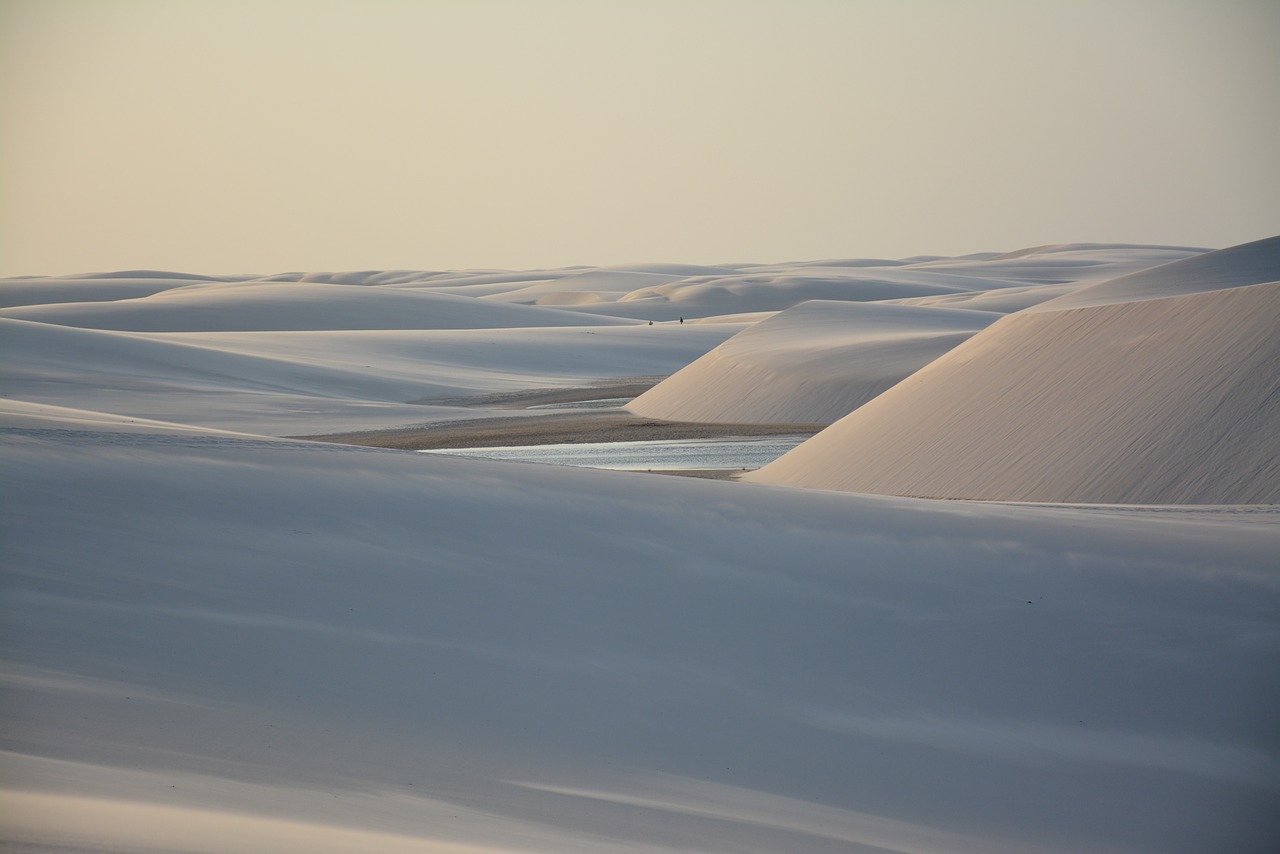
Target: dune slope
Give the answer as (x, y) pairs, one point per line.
(811, 364)
(306, 382)
(220, 642)
(1159, 401)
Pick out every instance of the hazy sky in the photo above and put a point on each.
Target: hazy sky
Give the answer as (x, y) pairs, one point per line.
(221, 136)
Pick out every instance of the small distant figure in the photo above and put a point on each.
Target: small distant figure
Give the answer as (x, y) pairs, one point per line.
(682, 321)
(651, 323)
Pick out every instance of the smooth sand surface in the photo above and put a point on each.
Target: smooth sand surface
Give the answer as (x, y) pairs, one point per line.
(230, 643)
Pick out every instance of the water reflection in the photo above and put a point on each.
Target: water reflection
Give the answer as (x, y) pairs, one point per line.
(658, 454)
(602, 403)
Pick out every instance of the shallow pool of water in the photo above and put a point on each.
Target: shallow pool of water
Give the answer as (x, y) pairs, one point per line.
(725, 454)
(602, 403)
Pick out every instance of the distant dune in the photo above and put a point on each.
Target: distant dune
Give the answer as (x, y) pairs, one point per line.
(257, 306)
(1247, 264)
(1172, 397)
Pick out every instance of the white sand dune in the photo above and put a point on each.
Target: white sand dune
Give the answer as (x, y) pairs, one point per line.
(816, 362)
(811, 364)
(585, 287)
(1160, 400)
(1247, 264)
(1049, 271)
(1001, 301)
(770, 290)
(218, 640)
(924, 281)
(295, 306)
(283, 383)
(61, 354)
(1069, 260)
(93, 288)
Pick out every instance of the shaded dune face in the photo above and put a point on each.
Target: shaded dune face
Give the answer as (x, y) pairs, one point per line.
(1133, 397)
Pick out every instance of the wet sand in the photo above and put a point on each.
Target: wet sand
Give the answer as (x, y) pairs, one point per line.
(553, 429)
(632, 387)
(605, 425)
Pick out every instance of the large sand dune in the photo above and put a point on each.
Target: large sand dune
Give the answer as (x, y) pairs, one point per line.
(307, 382)
(1159, 400)
(818, 361)
(811, 364)
(219, 640)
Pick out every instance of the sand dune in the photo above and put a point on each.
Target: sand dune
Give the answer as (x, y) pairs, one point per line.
(297, 306)
(293, 383)
(1054, 265)
(219, 640)
(925, 281)
(1162, 400)
(1247, 264)
(811, 364)
(1001, 301)
(1149, 254)
(820, 360)
(1048, 271)
(585, 287)
(765, 290)
(102, 287)
(94, 358)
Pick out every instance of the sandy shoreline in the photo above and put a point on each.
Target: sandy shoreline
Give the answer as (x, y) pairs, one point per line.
(628, 388)
(553, 429)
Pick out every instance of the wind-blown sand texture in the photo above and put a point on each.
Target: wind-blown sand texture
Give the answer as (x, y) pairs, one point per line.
(1150, 400)
(216, 639)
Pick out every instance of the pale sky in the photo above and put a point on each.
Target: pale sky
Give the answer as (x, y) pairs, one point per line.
(221, 136)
